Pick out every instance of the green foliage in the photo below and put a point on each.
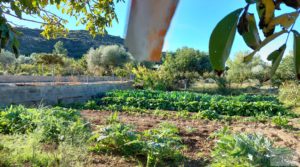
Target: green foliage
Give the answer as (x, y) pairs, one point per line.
(183, 114)
(42, 137)
(297, 53)
(219, 50)
(59, 49)
(280, 121)
(187, 60)
(206, 114)
(246, 150)
(17, 120)
(152, 147)
(240, 71)
(289, 94)
(151, 79)
(116, 138)
(178, 70)
(6, 59)
(243, 105)
(106, 57)
(20, 149)
(285, 71)
(56, 124)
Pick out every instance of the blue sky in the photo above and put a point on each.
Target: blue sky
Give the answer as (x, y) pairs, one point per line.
(191, 26)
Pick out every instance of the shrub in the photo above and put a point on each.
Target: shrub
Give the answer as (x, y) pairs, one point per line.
(289, 93)
(56, 124)
(17, 120)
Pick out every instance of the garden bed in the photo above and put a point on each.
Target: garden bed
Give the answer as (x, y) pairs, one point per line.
(197, 134)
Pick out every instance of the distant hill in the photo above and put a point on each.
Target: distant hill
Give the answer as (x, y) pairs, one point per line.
(78, 42)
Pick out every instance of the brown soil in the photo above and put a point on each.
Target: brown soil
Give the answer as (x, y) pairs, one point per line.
(198, 141)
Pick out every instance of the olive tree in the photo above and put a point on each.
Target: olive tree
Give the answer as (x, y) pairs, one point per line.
(101, 60)
(59, 48)
(7, 58)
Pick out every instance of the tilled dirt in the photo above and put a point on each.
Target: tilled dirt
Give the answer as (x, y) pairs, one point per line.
(196, 135)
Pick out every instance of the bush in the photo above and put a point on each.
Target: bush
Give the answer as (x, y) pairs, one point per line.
(289, 93)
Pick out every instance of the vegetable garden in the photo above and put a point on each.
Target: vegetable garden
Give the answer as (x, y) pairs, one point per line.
(152, 128)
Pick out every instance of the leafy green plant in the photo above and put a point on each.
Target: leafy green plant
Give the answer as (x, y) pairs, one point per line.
(152, 147)
(56, 124)
(206, 114)
(281, 121)
(91, 105)
(244, 21)
(163, 145)
(17, 120)
(184, 114)
(243, 105)
(116, 138)
(245, 150)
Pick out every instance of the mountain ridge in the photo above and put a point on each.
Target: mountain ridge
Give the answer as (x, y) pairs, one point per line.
(77, 42)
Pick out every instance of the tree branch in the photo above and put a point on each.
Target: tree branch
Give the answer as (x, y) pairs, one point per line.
(34, 21)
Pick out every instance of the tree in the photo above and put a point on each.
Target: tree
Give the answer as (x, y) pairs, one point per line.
(95, 15)
(59, 48)
(7, 58)
(240, 71)
(107, 57)
(245, 23)
(49, 59)
(285, 71)
(186, 64)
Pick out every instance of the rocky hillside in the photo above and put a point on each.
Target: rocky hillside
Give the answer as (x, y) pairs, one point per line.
(78, 42)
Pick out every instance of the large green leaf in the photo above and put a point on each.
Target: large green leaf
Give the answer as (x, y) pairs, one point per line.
(249, 57)
(221, 40)
(276, 58)
(297, 52)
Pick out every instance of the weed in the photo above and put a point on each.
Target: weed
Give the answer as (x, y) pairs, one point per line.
(184, 114)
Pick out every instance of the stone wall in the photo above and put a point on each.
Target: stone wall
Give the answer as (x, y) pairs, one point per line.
(49, 95)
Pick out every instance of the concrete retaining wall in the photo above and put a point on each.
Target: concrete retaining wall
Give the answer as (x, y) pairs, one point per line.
(22, 79)
(33, 95)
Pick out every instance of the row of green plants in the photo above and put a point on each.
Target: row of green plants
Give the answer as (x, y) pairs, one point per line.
(243, 105)
(189, 96)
